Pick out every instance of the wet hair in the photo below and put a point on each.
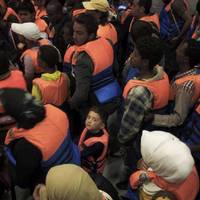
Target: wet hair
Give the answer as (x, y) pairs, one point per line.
(88, 21)
(100, 112)
(193, 52)
(146, 4)
(4, 62)
(49, 55)
(26, 6)
(150, 48)
(198, 7)
(164, 194)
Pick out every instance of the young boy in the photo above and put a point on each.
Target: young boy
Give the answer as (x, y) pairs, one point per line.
(93, 142)
(53, 86)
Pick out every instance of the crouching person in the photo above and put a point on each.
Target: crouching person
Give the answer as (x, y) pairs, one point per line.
(167, 165)
(40, 140)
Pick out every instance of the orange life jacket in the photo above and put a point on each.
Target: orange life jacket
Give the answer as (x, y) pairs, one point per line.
(51, 136)
(99, 162)
(98, 49)
(180, 81)
(69, 53)
(15, 80)
(42, 25)
(9, 12)
(159, 89)
(53, 92)
(188, 189)
(108, 31)
(149, 18)
(103, 83)
(33, 53)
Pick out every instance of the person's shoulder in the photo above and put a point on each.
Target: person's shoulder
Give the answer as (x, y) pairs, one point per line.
(138, 92)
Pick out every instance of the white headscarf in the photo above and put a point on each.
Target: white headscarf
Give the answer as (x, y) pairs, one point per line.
(29, 30)
(170, 158)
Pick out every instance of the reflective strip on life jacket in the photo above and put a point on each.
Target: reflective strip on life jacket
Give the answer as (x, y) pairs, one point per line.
(15, 80)
(91, 141)
(159, 89)
(108, 31)
(54, 128)
(54, 91)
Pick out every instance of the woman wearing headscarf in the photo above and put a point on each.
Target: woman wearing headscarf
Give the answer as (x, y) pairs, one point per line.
(69, 182)
(40, 140)
(169, 166)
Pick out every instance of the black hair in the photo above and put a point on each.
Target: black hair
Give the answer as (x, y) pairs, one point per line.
(198, 7)
(57, 4)
(88, 21)
(146, 4)
(103, 17)
(103, 115)
(193, 52)
(49, 55)
(150, 48)
(163, 193)
(141, 29)
(26, 6)
(4, 62)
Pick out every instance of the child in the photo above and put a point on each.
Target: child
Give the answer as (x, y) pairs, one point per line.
(93, 142)
(53, 86)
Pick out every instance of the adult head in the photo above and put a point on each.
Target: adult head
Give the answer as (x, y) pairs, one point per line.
(26, 11)
(148, 53)
(20, 105)
(60, 185)
(48, 57)
(99, 9)
(40, 3)
(187, 53)
(141, 8)
(54, 11)
(84, 29)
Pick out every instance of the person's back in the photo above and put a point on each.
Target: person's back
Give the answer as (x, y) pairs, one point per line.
(53, 86)
(41, 151)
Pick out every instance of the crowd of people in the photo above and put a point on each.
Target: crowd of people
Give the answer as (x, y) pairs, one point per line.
(83, 81)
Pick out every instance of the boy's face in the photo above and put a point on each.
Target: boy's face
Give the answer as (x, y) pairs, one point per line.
(26, 16)
(93, 121)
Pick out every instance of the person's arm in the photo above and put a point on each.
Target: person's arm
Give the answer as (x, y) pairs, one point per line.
(180, 9)
(138, 102)
(95, 150)
(83, 72)
(29, 71)
(28, 162)
(182, 107)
